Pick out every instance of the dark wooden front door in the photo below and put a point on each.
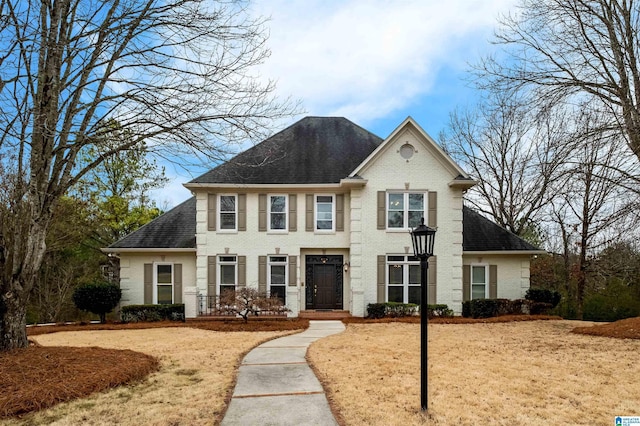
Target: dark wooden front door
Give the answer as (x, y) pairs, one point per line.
(324, 282)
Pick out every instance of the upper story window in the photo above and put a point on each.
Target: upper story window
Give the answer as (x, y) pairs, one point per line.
(163, 283)
(405, 209)
(228, 208)
(325, 212)
(277, 212)
(479, 280)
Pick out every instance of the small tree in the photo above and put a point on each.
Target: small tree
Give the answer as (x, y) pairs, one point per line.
(98, 298)
(247, 301)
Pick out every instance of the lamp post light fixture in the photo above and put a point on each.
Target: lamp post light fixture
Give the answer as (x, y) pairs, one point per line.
(423, 238)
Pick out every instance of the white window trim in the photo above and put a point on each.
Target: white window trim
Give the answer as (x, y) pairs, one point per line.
(405, 275)
(486, 279)
(219, 265)
(333, 214)
(406, 227)
(220, 212)
(286, 214)
(155, 280)
(285, 263)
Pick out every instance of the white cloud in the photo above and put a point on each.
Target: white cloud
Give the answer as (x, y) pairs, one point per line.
(365, 59)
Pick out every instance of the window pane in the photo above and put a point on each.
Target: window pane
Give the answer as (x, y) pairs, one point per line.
(395, 258)
(228, 274)
(416, 202)
(415, 218)
(324, 208)
(478, 274)
(227, 221)
(280, 292)
(395, 219)
(324, 224)
(164, 274)
(228, 203)
(478, 291)
(277, 274)
(165, 294)
(325, 199)
(396, 201)
(414, 294)
(395, 294)
(395, 274)
(414, 274)
(227, 258)
(282, 259)
(224, 288)
(278, 221)
(278, 204)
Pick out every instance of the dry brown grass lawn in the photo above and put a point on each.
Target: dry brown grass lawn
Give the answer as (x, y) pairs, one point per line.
(524, 373)
(197, 373)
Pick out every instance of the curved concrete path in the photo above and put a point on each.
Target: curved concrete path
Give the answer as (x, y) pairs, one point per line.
(276, 386)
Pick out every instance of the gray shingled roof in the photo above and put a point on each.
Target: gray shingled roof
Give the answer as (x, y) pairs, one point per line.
(312, 150)
(481, 234)
(174, 229)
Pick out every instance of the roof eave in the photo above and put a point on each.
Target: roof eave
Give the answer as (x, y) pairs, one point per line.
(201, 186)
(146, 250)
(509, 252)
(463, 184)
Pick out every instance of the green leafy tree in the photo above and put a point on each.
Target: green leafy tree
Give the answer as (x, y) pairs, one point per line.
(99, 298)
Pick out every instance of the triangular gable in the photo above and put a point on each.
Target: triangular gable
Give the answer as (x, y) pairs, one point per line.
(459, 175)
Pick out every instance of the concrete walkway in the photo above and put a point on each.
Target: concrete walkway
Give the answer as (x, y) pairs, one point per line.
(276, 386)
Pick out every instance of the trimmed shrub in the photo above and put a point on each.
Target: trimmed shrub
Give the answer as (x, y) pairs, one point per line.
(541, 295)
(151, 313)
(391, 310)
(439, 311)
(399, 310)
(376, 310)
(98, 298)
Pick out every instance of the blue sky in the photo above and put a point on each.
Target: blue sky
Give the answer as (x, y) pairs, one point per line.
(373, 62)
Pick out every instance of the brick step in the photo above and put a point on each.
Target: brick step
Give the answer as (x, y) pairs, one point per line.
(324, 314)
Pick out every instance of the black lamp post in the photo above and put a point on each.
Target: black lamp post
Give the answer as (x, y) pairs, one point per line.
(423, 238)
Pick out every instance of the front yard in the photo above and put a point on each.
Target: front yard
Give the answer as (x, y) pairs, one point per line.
(533, 373)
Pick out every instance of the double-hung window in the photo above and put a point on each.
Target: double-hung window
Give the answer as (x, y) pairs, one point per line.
(277, 277)
(403, 279)
(479, 281)
(277, 212)
(228, 208)
(163, 283)
(228, 272)
(405, 209)
(325, 213)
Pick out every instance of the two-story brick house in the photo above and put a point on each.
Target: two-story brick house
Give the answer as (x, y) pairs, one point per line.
(319, 214)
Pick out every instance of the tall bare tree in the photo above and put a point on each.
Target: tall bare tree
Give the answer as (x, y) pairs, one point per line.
(178, 75)
(594, 206)
(569, 48)
(515, 153)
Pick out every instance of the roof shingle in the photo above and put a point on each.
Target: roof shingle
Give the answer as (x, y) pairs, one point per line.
(312, 150)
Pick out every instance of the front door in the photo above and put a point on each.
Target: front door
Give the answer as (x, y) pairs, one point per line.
(324, 282)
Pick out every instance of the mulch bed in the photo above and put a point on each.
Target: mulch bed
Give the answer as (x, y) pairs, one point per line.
(226, 325)
(624, 329)
(453, 320)
(38, 377)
